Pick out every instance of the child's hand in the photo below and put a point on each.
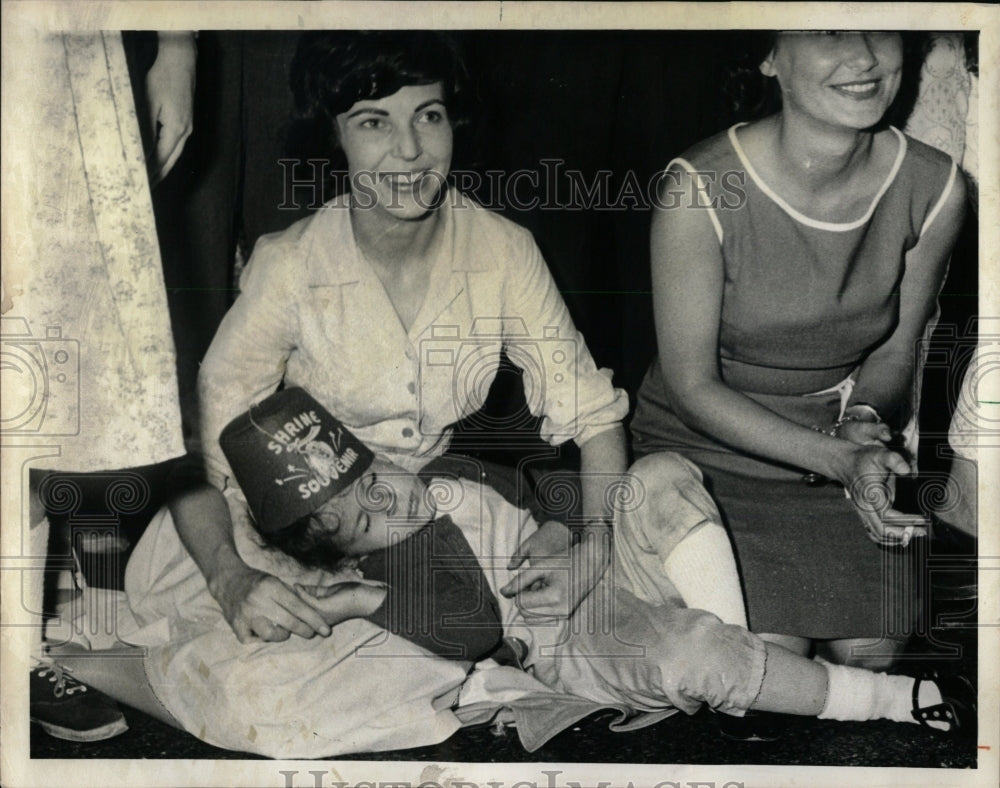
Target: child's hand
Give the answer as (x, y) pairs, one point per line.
(342, 601)
(561, 575)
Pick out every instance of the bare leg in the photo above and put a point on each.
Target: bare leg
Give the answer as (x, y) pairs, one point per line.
(791, 643)
(118, 673)
(792, 684)
(795, 685)
(862, 653)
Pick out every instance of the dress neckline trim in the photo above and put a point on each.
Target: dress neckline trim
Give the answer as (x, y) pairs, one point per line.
(801, 217)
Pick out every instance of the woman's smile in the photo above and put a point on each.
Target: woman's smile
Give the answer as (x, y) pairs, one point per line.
(861, 90)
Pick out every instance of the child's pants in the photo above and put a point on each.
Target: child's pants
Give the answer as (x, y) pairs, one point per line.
(632, 640)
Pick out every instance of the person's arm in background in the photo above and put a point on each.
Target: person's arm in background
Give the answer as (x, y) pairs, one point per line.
(602, 458)
(566, 569)
(687, 274)
(964, 513)
(170, 86)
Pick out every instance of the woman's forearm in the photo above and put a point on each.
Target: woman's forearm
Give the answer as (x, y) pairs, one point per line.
(254, 603)
(886, 379)
(736, 420)
(603, 460)
(204, 525)
(886, 382)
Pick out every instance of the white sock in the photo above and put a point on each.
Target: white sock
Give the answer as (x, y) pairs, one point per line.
(858, 694)
(703, 570)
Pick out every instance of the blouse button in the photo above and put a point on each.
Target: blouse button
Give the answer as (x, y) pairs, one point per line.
(411, 387)
(407, 432)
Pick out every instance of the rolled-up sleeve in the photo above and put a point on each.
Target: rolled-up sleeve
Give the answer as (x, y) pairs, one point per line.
(247, 358)
(574, 398)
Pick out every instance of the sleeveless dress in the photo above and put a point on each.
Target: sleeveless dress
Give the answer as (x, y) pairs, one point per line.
(804, 302)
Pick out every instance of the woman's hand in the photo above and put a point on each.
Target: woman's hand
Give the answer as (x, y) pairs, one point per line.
(259, 605)
(869, 477)
(561, 574)
(170, 88)
(341, 601)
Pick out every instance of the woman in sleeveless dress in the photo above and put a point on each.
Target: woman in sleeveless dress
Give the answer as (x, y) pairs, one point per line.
(796, 266)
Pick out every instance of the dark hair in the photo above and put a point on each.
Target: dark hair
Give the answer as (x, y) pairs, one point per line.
(916, 45)
(752, 95)
(306, 541)
(332, 70)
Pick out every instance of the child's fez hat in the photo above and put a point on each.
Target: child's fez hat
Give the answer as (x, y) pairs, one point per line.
(290, 456)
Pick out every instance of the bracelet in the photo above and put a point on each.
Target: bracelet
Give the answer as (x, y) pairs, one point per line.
(832, 431)
(829, 431)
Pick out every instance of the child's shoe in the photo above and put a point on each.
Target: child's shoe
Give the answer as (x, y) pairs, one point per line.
(70, 710)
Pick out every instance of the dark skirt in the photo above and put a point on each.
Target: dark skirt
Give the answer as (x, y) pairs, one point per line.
(807, 565)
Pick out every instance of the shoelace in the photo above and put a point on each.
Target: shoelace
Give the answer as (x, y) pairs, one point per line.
(65, 684)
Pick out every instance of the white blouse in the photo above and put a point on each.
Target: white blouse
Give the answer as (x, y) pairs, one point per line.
(312, 311)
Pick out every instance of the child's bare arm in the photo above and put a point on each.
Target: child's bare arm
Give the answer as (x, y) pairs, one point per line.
(342, 601)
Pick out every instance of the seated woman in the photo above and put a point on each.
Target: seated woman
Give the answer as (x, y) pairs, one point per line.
(788, 313)
(392, 305)
(440, 547)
